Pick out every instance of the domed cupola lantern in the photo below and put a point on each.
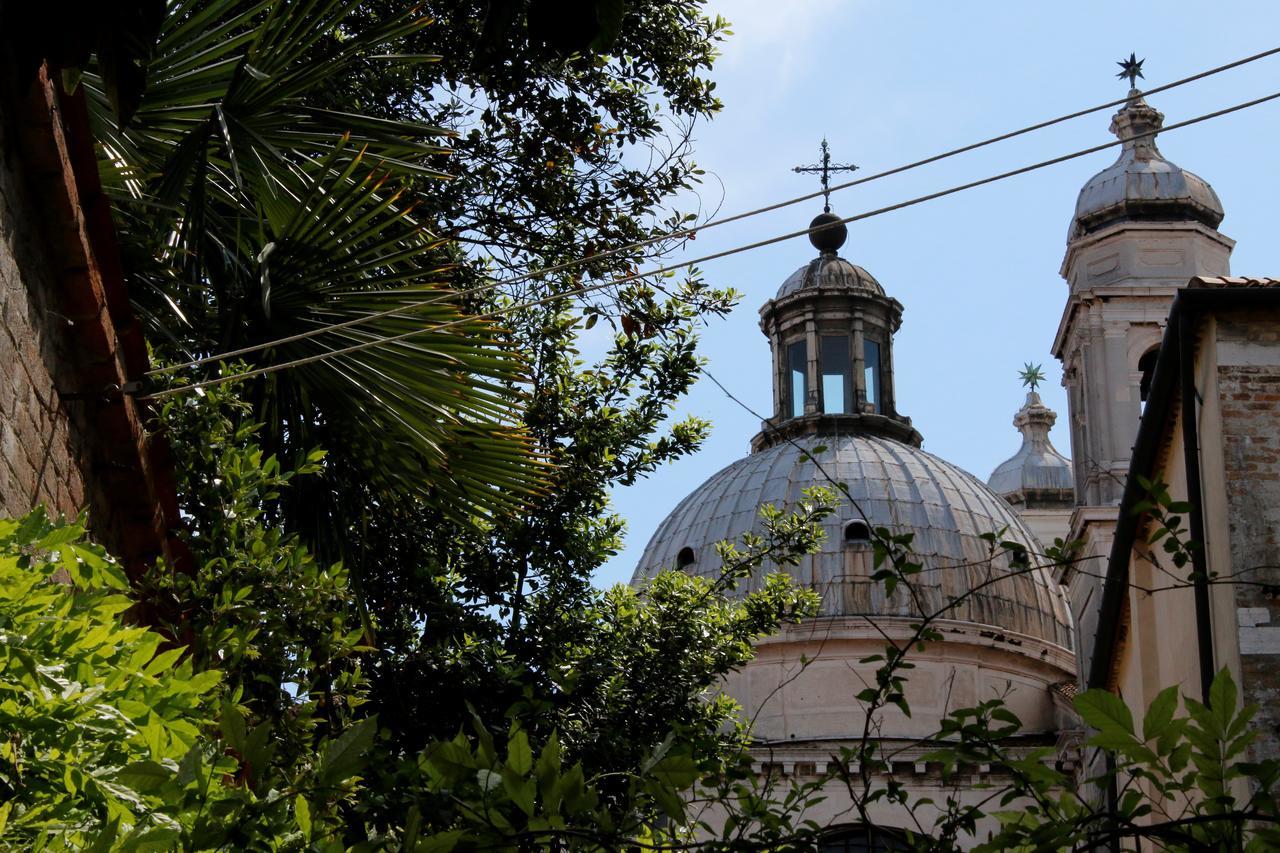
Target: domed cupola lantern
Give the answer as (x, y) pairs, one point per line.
(830, 328)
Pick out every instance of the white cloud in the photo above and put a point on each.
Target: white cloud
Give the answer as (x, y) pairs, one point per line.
(769, 36)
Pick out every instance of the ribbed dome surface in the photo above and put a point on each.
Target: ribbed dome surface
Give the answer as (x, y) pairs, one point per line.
(1132, 188)
(1142, 184)
(897, 486)
(830, 270)
(1032, 468)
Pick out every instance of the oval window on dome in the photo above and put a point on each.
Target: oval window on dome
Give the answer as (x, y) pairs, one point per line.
(857, 533)
(685, 558)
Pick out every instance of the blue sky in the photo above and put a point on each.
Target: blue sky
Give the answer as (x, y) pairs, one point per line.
(891, 82)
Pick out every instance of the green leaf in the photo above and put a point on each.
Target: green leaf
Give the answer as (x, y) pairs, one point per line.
(1104, 711)
(677, 770)
(144, 776)
(1160, 713)
(1222, 698)
(609, 16)
(163, 661)
(519, 755)
(302, 814)
(233, 727)
(344, 756)
(522, 791)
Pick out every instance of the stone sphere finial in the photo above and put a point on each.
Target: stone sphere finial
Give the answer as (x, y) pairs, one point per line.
(831, 232)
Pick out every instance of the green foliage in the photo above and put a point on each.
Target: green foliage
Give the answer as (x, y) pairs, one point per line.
(503, 602)
(1167, 517)
(281, 626)
(573, 123)
(636, 728)
(89, 707)
(114, 737)
(1180, 779)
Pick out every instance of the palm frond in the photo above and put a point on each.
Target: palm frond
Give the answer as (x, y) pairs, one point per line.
(252, 212)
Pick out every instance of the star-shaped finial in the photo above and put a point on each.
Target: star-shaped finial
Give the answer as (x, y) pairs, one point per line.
(1031, 375)
(1131, 68)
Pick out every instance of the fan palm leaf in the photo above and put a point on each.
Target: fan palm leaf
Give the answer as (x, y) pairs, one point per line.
(251, 212)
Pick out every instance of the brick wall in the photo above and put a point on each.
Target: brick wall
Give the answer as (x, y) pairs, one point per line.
(40, 452)
(1250, 401)
(72, 433)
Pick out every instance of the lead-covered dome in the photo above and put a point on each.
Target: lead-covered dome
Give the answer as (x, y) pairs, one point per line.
(1037, 467)
(1142, 184)
(896, 486)
(829, 270)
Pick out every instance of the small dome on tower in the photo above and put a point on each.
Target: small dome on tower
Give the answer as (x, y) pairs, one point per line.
(1037, 468)
(1142, 184)
(829, 269)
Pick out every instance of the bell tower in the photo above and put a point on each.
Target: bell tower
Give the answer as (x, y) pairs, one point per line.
(1143, 227)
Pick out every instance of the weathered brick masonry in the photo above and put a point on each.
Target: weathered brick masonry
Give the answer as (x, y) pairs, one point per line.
(41, 454)
(1251, 445)
(72, 436)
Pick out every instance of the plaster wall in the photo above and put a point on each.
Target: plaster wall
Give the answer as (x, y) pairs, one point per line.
(1159, 648)
(1047, 524)
(802, 685)
(1095, 527)
(801, 689)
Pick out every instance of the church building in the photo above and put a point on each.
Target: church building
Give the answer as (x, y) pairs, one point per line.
(1142, 230)
(1007, 630)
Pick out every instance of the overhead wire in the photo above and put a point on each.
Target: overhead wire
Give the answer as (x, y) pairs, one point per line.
(580, 291)
(692, 230)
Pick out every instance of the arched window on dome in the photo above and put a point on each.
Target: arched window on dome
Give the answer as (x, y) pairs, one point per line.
(837, 374)
(685, 558)
(797, 378)
(857, 533)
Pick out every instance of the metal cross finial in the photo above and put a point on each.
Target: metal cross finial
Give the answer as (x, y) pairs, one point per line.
(825, 168)
(1131, 68)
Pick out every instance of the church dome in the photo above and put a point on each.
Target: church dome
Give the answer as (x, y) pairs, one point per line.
(1142, 184)
(896, 486)
(1037, 467)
